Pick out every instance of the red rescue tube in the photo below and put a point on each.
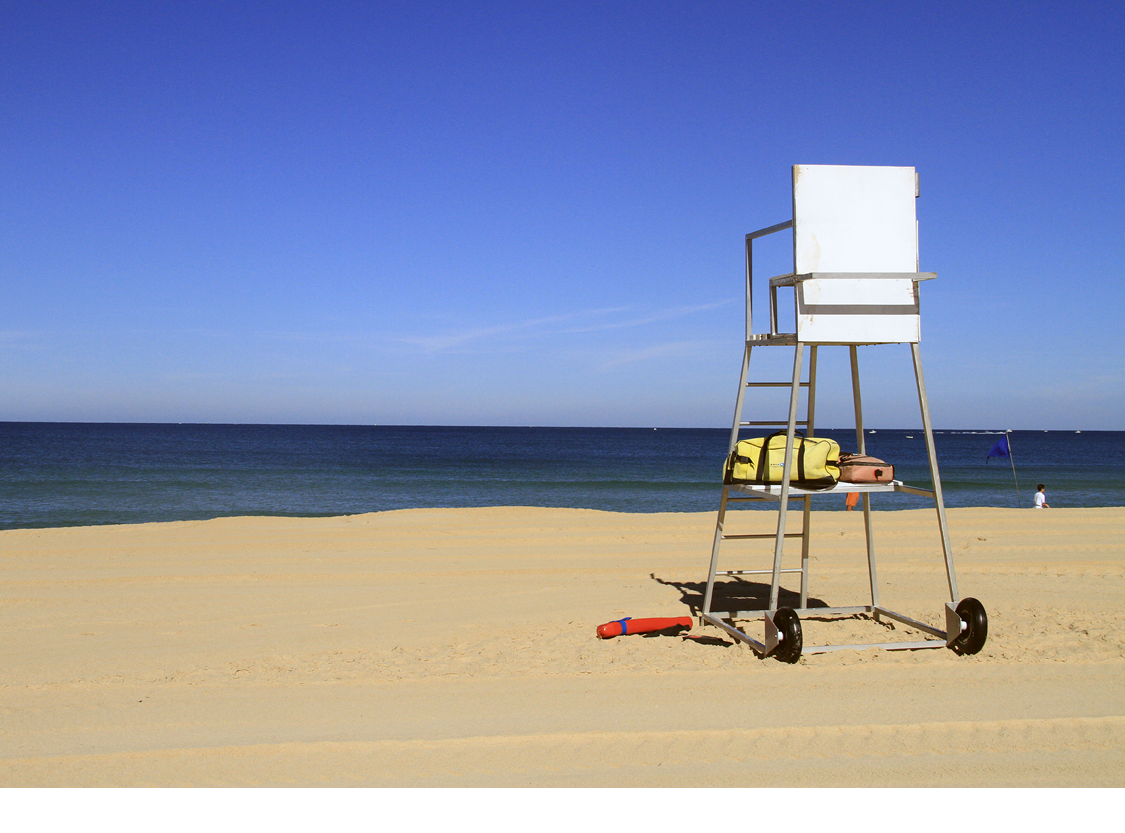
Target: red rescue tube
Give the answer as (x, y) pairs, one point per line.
(629, 625)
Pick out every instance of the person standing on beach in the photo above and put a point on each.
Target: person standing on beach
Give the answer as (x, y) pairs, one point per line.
(1041, 498)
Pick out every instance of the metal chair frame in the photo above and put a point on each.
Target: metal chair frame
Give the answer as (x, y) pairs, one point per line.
(783, 492)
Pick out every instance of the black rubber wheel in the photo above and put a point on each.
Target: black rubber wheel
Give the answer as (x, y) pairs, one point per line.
(788, 624)
(975, 634)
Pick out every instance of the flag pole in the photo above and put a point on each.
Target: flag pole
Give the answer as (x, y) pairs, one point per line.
(1008, 437)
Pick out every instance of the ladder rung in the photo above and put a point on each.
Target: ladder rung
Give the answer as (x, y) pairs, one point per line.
(753, 572)
(762, 535)
(775, 384)
(785, 422)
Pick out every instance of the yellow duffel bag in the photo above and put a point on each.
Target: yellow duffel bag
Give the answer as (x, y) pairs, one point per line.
(762, 459)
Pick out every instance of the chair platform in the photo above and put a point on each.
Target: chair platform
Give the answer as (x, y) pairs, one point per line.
(774, 490)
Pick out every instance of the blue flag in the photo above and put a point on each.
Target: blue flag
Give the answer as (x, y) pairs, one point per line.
(1000, 449)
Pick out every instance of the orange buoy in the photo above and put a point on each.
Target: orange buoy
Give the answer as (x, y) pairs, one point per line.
(630, 625)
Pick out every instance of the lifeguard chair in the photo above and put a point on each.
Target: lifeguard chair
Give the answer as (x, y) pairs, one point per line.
(856, 282)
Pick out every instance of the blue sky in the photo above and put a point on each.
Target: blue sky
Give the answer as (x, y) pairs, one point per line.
(531, 214)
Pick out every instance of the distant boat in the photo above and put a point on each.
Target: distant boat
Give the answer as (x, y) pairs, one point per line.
(1077, 432)
(909, 436)
(870, 432)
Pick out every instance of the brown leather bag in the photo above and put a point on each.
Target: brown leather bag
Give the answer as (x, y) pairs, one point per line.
(859, 468)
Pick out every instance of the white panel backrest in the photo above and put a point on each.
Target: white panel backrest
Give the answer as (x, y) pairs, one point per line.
(851, 218)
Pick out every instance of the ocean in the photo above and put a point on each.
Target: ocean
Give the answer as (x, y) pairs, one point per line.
(78, 474)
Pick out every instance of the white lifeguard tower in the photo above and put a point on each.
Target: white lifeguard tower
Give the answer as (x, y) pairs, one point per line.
(855, 279)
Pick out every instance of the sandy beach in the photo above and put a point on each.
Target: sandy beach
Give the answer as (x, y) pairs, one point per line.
(457, 647)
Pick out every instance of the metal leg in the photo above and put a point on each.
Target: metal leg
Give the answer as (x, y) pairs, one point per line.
(806, 517)
(869, 533)
(861, 446)
(872, 577)
(935, 477)
(806, 514)
(810, 417)
(786, 471)
(715, 551)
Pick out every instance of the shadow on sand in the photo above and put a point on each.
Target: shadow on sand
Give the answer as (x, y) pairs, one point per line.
(734, 593)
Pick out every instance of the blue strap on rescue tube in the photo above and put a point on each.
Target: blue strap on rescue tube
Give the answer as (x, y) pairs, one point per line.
(624, 627)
